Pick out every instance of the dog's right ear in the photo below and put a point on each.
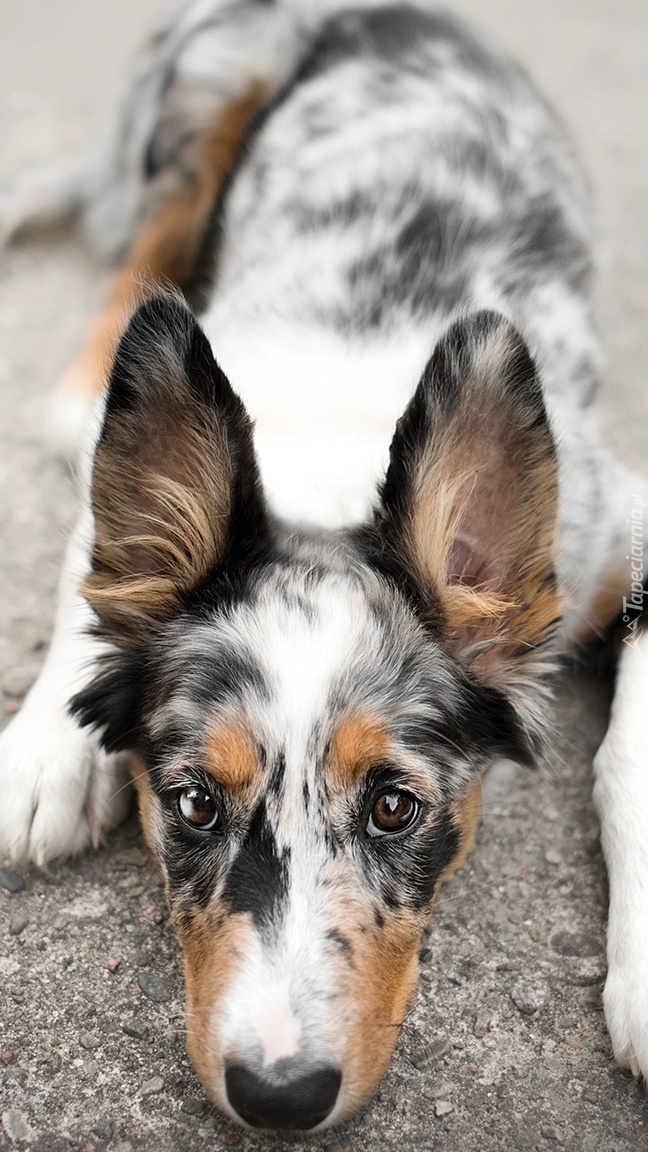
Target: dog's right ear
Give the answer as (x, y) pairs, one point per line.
(175, 487)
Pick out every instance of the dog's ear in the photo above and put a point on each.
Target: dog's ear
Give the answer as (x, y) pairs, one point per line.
(469, 503)
(175, 489)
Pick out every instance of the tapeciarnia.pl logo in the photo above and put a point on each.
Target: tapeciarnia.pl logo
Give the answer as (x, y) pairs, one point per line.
(634, 602)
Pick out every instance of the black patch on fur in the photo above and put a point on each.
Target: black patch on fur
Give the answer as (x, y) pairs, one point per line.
(482, 725)
(226, 675)
(405, 869)
(345, 946)
(540, 241)
(112, 701)
(341, 213)
(257, 882)
(193, 862)
(276, 776)
(389, 33)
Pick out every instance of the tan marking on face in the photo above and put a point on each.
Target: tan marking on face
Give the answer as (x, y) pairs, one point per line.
(167, 245)
(145, 802)
(381, 979)
(231, 758)
(465, 814)
(376, 985)
(213, 945)
(214, 948)
(359, 742)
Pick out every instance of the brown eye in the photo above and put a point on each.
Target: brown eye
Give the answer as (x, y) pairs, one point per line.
(198, 809)
(392, 812)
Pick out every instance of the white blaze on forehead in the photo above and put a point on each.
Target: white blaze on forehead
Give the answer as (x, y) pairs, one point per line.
(304, 649)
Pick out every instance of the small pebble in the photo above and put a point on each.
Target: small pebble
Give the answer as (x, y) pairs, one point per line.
(431, 1054)
(112, 964)
(11, 880)
(103, 1129)
(443, 1108)
(7, 1056)
(192, 1107)
(439, 1090)
(553, 1132)
(481, 1026)
(553, 856)
(90, 1040)
(18, 923)
(153, 1086)
(15, 1125)
(524, 1001)
(575, 944)
(589, 1094)
(137, 1031)
(232, 1140)
(154, 987)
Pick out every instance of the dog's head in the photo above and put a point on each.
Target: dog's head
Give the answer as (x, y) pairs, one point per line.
(312, 711)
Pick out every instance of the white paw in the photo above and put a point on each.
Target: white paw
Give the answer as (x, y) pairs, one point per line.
(625, 999)
(60, 791)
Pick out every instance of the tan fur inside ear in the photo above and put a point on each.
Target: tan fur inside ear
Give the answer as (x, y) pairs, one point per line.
(482, 523)
(157, 534)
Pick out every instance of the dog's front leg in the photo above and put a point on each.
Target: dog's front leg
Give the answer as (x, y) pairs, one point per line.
(60, 791)
(621, 797)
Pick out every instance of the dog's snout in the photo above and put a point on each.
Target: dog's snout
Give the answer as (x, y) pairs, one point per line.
(295, 1099)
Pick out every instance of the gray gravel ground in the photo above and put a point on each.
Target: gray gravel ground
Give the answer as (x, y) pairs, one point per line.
(505, 1046)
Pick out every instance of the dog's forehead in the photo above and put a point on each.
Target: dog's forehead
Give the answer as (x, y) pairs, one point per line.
(311, 671)
(296, 651)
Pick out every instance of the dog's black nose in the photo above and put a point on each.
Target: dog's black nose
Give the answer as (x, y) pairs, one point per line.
(286, 1100)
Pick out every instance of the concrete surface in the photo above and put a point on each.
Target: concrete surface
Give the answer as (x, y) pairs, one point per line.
(505, 1046)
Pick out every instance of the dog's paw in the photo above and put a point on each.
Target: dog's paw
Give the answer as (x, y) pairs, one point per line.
(60, 791)
(625, 1000)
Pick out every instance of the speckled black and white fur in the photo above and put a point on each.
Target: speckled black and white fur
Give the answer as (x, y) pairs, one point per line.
(290, 623)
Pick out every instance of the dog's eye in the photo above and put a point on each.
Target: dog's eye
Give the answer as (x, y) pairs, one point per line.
(198, 809)
(392, 811)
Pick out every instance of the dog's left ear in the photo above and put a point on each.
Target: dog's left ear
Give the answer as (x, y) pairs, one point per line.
(175, 488)
(469, 504)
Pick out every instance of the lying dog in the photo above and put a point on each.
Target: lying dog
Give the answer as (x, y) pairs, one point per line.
(313, 645)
